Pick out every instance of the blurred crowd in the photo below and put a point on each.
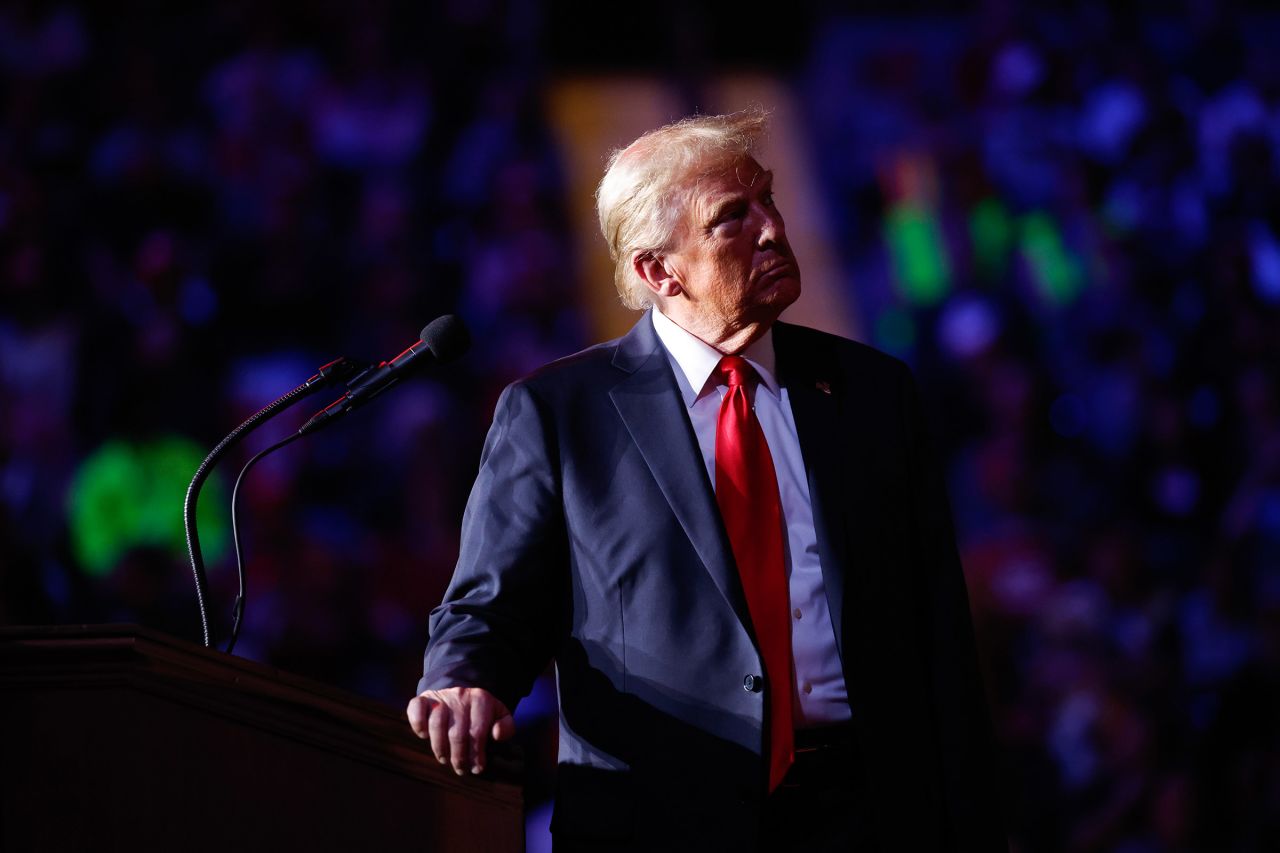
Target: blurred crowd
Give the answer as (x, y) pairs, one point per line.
(198, 209)
(1068, 222)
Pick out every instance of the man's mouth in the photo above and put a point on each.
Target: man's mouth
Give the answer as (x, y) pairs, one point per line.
(775, 270)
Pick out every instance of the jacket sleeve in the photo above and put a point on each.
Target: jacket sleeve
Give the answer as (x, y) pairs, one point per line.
(962, 724)
(501, 617)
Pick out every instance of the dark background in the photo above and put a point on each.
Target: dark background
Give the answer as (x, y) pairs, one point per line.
(1067, 220)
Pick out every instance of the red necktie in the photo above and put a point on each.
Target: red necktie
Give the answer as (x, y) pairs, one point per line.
(747, 492)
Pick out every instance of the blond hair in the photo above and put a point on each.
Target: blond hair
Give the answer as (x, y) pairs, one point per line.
(645, 187)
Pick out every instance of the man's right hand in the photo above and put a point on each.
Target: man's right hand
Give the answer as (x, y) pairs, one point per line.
(459, 721)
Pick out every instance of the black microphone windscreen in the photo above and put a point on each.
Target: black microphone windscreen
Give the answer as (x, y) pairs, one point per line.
(447, 338)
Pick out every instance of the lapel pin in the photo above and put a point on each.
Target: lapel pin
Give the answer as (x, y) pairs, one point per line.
(824, 386)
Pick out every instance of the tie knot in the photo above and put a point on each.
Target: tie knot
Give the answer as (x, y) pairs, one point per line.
(735, 370)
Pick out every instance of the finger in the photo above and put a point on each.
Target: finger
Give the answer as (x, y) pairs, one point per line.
(438, 726)
(479, 734)
(504, 728)
(459, 728)
(418, 711)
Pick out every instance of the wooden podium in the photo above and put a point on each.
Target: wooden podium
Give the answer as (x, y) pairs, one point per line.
(117, 738)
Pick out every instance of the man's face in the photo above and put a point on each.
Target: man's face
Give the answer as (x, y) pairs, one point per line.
(731, 253)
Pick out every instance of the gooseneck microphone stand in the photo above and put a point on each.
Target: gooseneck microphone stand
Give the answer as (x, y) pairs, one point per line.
(440, 342)
(332, 373)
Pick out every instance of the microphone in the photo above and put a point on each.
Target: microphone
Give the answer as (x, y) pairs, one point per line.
(443, 340)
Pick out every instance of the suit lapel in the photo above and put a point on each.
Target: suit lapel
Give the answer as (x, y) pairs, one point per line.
(650, 405)
(816, 400)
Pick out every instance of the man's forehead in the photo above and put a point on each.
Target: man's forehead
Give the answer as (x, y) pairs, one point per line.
(731, 176)
(727, 181)
(713, 186)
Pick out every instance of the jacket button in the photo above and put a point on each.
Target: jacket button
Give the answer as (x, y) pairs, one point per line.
(753, 683)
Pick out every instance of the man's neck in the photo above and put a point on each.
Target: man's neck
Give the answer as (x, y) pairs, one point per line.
(728, 339)
(695, 359)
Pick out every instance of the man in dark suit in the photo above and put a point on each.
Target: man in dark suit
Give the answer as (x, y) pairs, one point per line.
(729, 535)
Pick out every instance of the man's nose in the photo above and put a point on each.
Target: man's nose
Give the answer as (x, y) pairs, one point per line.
(772, 230)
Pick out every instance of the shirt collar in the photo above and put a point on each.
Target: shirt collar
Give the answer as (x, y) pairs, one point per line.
(696, 358)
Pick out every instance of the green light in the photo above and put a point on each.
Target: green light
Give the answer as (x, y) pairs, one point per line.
(918, 252)
(991, 231)
(127, 495)
(1057, 272)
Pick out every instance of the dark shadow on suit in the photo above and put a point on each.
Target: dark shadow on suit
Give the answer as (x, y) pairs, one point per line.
(685, 789)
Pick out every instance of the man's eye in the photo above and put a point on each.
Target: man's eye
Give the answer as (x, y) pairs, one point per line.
(767, 199)
(730, 219)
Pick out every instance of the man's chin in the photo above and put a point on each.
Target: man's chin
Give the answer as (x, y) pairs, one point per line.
(775, 298)
(780, 291)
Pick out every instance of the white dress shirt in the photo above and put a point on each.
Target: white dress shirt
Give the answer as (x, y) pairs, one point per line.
(820, 688)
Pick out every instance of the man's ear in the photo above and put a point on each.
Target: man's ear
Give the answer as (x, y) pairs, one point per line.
(656, 274)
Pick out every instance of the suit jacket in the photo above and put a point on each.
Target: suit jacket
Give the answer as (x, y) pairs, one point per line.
(592, 537)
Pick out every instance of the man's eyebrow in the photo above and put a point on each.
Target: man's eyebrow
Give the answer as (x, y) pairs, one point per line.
(728, 200)
(719, 207)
